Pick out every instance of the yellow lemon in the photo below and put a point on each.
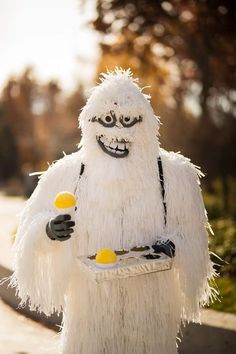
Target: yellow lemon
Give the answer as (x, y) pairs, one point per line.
(106, 256)
(64, 200)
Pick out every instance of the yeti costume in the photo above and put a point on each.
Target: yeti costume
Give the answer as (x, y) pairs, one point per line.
(119, 205)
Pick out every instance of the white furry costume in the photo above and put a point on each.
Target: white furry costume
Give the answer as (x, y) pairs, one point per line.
(119, 206)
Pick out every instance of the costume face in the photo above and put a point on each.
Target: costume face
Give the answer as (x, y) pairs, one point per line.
(115, 148)
(117, 118)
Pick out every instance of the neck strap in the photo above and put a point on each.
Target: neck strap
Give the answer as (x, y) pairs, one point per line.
(161, 178)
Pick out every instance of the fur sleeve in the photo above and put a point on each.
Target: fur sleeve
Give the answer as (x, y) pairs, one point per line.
(186, 210)
(41, 266)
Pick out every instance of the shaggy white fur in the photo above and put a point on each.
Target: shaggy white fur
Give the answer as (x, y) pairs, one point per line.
(119, 206)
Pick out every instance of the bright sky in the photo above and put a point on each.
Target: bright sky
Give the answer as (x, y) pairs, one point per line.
(49, 35)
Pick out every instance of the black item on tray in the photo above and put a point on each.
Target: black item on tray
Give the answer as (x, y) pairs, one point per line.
(121, 252)
(140, 248)
(165, 246)
(151, 256)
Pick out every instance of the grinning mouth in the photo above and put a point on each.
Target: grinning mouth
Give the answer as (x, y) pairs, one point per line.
(115, 148)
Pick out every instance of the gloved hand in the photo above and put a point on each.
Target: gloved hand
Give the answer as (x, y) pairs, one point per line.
(60, 228)
(165, 246)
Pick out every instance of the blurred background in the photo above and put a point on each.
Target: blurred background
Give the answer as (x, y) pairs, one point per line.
(52, 52)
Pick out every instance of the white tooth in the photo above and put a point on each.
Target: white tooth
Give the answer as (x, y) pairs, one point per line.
(121, 146)
(113, 145)
(102, 139)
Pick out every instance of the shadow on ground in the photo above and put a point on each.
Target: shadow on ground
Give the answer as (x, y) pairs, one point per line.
(202, 339)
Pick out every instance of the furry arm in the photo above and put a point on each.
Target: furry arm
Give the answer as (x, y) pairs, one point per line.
(186, 209)
(42, 267)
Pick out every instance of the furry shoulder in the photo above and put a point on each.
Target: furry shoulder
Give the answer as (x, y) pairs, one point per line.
(182, 187)
(177, 164)
(67, 164)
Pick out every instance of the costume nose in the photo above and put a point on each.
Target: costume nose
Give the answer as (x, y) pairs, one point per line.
(118, 125)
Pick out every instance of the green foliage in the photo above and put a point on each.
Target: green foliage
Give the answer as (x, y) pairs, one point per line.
(227, 290)
(223, 244)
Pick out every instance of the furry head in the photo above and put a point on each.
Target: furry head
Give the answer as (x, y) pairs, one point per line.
(118, 120)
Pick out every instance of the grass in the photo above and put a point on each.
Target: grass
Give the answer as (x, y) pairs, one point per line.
(223, 243)
(227, 301)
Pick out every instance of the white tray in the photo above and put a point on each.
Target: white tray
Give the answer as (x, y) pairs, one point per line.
(130, 264)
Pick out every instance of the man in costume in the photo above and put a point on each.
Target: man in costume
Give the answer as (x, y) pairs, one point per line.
(129, 192)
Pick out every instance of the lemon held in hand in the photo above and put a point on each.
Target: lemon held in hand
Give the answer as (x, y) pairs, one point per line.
(106, 258)
(65, 200)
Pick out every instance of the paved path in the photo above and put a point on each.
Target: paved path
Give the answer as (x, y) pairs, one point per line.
(9, 208)
(20, 335)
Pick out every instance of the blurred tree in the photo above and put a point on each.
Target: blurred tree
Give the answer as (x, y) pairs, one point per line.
(37, 122)
(186, 50)
(49, 118)
(197, 35)
(8, 150)
(17, 102)
(74, 103)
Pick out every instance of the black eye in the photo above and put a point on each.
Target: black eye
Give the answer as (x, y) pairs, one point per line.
(108, 119)
(128, 121)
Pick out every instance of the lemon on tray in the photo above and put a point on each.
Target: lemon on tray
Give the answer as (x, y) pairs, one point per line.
(64, 200)
(106, 258)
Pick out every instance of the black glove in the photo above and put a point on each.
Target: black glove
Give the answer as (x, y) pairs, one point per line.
(165, 246)
(60, 228)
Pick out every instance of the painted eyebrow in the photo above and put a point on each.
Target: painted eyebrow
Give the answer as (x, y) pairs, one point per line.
(106, 125)
(133, 122)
